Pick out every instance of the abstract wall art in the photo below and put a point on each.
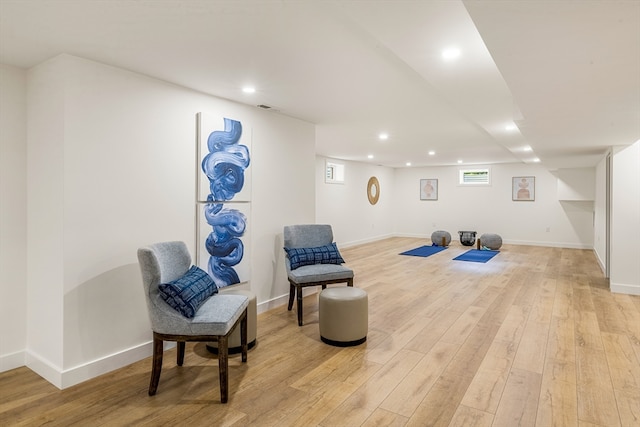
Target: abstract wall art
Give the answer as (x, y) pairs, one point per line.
(523, 188)
(224, 158)
(223, 230)
(428, 189)
(223, 199)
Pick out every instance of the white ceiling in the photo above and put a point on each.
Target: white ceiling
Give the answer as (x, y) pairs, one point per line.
(566, 72)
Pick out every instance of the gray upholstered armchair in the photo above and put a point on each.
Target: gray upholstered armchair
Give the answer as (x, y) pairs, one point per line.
(213, 321)
(320, 265)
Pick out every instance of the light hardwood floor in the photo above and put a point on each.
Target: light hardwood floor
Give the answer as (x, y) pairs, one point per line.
(531, 338)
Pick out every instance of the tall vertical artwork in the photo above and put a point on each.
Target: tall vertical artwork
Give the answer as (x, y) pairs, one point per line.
(224, 199)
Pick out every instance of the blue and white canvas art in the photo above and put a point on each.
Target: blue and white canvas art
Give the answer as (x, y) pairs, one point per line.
(224, 194)
(223, 234)
(224, 147)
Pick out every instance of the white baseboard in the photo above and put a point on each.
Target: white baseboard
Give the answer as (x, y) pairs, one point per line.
(273, 303)
(548, 244)
(600, 262)
(453, 238)
(44, 368)
(368, 240)
(625, 289)
(78, 374)
(12, 361)
(70, 377)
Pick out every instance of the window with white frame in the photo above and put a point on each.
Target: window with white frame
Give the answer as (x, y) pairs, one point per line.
(475, 176)
(334, 173)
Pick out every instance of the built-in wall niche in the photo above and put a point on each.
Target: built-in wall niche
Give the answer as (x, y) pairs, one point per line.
(334, 173)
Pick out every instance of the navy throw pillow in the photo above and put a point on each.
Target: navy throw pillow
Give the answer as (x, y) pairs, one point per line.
(327, 254)
(187, 293)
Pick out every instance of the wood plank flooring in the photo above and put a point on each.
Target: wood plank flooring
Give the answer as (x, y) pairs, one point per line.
(531, 338)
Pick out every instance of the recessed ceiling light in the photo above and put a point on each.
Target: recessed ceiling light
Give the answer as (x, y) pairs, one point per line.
(432, 153)
(249, 89)
(370, 156)
(536, 160)
(383, 136)
(510, 127)
(527, 149)
(450, 53)
(408, 163)
(459, 161)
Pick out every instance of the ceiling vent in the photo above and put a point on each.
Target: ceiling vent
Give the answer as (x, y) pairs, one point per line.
(264, 107)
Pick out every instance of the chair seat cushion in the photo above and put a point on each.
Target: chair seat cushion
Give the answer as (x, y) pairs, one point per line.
(218, 314)
(320, 273)
(327, 254)
(187, 293)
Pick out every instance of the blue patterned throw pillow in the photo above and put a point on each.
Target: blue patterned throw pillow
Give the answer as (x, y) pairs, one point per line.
(327, 254)
(187, 293)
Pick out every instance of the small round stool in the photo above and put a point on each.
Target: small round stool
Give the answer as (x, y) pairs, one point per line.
(344, 316)
(491, 241)
(441, 238)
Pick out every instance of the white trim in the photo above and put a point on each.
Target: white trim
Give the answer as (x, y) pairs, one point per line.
(12, 361)
(87, 371)
(42, 367)
(625, 289)
(509, 242)
(601, 263)
(70, 377)
(273, 303)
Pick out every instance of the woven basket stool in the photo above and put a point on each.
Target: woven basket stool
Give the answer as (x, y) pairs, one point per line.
(344, 316)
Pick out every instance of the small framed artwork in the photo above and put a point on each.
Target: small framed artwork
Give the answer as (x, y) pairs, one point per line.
(523, 188)
(428, 189)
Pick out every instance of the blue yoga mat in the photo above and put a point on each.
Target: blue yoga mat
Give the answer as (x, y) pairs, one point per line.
(475, 255)
(424, 251)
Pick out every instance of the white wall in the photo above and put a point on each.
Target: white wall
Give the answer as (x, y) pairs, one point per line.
(490, 209)
(576, 184)
(600, 214)
(13, 214)
(487, 209)
(625, 221)
(112, 167)
(346, 206)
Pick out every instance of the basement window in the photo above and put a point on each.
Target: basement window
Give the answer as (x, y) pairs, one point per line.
(478, 176)
(334, 173)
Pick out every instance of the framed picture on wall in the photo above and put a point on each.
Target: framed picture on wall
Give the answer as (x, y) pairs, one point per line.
(428, 189)
(523, 188)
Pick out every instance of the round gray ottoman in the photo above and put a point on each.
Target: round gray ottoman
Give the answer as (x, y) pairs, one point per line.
(441, 238)
(344, 316)
(491, 241)
(235, 345)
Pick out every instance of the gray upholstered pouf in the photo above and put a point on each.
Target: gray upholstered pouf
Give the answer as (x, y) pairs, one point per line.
(491, 241)
(344, 316)
(437, 236)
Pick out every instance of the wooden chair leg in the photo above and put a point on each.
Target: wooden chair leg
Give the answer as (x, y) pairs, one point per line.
(180, 353)
(223, 367)
(299, 298)
(292, 291)
(156, 366)
(244, 335)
